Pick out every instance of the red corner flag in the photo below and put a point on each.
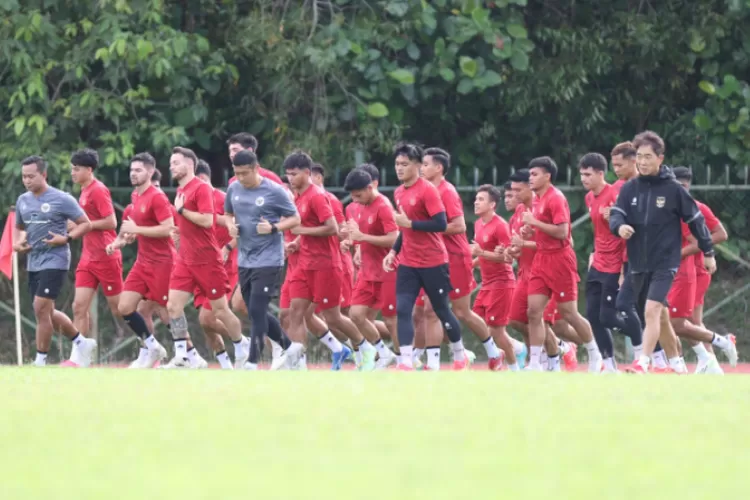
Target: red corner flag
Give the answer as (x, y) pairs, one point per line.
(6, 246)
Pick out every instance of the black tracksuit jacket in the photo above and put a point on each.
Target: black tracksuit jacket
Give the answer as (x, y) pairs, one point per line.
(653, 206)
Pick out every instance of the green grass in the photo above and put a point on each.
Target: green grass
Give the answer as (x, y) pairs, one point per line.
(105, 434)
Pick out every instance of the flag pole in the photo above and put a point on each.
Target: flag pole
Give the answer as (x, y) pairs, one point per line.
(17, 305)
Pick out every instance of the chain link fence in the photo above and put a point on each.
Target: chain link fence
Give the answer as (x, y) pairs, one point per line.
(726, 191)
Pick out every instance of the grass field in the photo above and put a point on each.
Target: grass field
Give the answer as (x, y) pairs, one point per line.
(105, 434)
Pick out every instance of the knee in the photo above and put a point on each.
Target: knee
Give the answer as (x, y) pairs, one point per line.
(653, 310)
(535, 314)
(462, 313)
(43, 309)
(80, 308)
(127, 309)
(173, 309)
(359, 317)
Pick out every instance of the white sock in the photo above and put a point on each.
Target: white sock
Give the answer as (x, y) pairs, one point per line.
(303, 360)
(491, 348)
(194, 355)
(224, 361)
(553, 363)
(660, 359)
(637, 351)
(644, 361)
(543, 359)
(358, 356)
(407, 355)
(535, 358)
(433, 358)
(609, 364)
(702, 353)
(180, 348)
(78, 339)
(592, 349)
(417, 353)
(151, 342)
(721, 342)
(331, 342)
(564, 347)
(382, 349)
(366, 346)
(517, 345)
(459, 353)
(41, 359)
(514, 367)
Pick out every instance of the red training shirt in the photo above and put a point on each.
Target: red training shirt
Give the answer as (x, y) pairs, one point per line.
(96, 202)
(197, 244)
(457, 245)
(551, 208)
(271, 176)
(495, 275)
(376, 219)
(420, 202)
(686, 271)
(608, 248)
(712, 222)
(317, 253)
(527, 254)
(150, 209)
(338, 214)
(222, 233)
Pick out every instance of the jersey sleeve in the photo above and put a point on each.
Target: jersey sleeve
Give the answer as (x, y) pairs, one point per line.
(127, 212)
(70, 208)
(432, 201)
(559, 210)
(712, 222)
(322, 207)
(385, 214)
(161, 207)
(103, 202)
(454, 207)
(204, 199)
(338, 209)
(502, 234)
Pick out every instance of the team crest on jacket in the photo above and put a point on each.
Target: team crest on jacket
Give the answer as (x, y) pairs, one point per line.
(45, 208)
(660, 200)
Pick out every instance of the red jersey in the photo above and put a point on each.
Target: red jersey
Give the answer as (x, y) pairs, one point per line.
(338, 214)
(198, 244)
(376, 219)
(317, 253)
(263, 173)
(686, 271)
(608, 248)
(456, 244)
(551, 208)
(420, 202)
(96, 201)
(712, 222)
(527, 254)
(495, 275)
(151, 209)
(222, 233)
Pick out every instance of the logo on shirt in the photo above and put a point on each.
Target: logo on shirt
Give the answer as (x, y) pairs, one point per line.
(303, 209)
(45, 208)
(83, 202)
(634, 202)
(660, 200)
(413, 201)
(143, 208)
(369, 220)
(485, 238)
(259, 201)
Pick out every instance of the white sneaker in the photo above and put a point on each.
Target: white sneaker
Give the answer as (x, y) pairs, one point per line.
(709, 367)
(177, 362)
(241, 353)
(301, 365)
(386, 361)
(141, 360)
(84, 353)
(155, 356)
(470, 356)
(197, 362)
(731, 351)
(596, 363)
(276, 349)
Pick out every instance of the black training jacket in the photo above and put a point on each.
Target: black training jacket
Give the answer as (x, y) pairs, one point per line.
(653, 206)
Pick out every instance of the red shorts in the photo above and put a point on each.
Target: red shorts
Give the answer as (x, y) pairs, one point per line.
(555, 275)
(494, 305)
(284, 299)
(462, 278)
(379, 295)
(519, 308)
(347, 286)
(421, 299)
(200, 299)
(107, 273)
(323, 288)
(150, 280)
(551, 314)
(702, 282)
(208, 277)
(681, 299)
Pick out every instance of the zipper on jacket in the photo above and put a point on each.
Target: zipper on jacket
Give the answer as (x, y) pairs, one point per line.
(646, 230)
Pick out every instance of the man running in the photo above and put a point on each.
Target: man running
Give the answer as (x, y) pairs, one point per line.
(41, 231)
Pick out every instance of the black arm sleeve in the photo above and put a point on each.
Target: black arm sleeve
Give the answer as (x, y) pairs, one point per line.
(619, 213)
(437, 224)
(397, 245)
(691, 214)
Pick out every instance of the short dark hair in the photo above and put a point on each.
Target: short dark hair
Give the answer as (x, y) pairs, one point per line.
(298, 160)
(411, 151)
(145, 158)
(203, 168)
(187, 153)
(319, 169)
(156, 176)
(545, 163)
(492, 192)
(521, 175)
(85, 158)
(649, 138)
(244, 139)
(441, 156)
(41, 164)
(682, 174)
(372, 170)
(508, 185)
(245, 158)
(593, 160)
(357, 179)
(626, 149)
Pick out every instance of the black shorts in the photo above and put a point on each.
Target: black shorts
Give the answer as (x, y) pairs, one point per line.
(47, 283)
(435, 281)
(266, 280)
(653, 285)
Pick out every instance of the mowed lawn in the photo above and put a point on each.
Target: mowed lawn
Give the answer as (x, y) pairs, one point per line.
(119, 434)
